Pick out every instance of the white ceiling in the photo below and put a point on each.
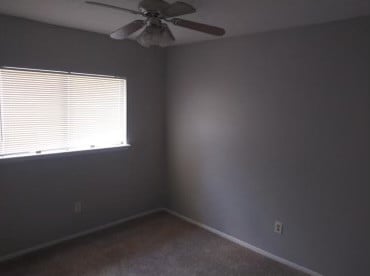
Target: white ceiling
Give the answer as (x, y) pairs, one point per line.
(236, 16)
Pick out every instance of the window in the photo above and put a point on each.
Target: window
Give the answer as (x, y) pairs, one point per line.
(44, 112)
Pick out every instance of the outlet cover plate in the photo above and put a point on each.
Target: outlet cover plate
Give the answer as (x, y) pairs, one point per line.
(278, 227)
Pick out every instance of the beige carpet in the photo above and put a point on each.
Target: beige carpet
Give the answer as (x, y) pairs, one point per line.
(159, 244)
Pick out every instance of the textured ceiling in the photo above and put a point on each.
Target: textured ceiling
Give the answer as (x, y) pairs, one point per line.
(236, 16)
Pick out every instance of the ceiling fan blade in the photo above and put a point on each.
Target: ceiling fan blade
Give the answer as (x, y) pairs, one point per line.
(177, 9)
(112, 7)
(128, 29)
(198, 26)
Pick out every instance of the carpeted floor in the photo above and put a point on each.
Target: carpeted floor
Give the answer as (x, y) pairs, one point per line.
(159, 244)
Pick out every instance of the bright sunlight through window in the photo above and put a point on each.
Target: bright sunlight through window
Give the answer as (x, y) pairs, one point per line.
(43, 112)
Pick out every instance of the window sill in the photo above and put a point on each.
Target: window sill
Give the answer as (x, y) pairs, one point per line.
(62, 154)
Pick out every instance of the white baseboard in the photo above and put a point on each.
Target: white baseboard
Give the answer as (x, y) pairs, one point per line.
(246, 245)
(74, 236)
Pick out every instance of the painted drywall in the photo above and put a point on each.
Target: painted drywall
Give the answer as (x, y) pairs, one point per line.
(37, 194)
(275, 126)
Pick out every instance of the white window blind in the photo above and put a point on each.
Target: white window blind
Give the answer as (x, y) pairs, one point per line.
(45, 112)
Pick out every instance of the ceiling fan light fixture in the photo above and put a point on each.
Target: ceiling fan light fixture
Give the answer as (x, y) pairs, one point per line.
(155, 36)
(167, 38)
(149, 37)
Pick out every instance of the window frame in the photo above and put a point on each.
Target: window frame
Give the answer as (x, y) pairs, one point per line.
(73, 152)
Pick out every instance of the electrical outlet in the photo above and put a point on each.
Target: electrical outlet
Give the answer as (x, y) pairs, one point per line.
(278, 227)
(78, 207)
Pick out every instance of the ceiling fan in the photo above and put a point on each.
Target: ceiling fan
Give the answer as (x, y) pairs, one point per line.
(156, 12)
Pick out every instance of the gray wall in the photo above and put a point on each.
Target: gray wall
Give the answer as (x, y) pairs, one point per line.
(37, 194)
(276, 126)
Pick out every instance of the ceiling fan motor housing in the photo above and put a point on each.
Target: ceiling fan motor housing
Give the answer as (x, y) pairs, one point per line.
(153, 6)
